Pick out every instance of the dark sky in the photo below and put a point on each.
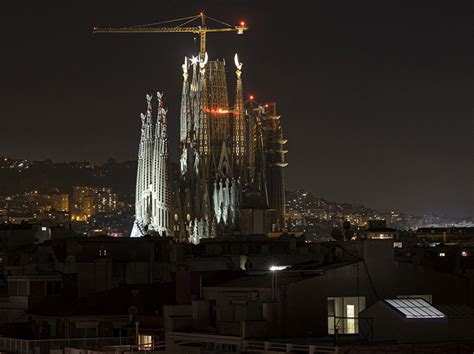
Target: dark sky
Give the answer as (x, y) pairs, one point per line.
(376, 96)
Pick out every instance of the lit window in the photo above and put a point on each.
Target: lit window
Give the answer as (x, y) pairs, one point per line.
(145, 342)
(442, 254)
(464, 253)
(43, 228)
(343, 314)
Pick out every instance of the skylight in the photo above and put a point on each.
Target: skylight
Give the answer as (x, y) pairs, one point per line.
(415, 308)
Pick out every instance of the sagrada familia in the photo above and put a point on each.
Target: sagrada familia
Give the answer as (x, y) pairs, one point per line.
(230, 178)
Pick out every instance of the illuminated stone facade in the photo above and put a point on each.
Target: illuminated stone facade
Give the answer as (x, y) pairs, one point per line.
(231, 159)
(153, 198)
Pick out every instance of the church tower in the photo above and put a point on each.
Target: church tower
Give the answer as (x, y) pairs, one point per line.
(153, 189)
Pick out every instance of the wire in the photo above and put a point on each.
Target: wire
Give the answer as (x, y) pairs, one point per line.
(219, 21)
(189, 19)
(366, 269)
(184, 23)
(168, 21)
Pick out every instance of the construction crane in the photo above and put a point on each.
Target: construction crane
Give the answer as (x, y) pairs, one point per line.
(202, 29)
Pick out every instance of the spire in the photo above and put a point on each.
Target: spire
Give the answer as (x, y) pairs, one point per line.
(238, 124)
(185, 118)
(161, 189)
(143, 205)
(202, 128)
(139, 183)
(153, 195)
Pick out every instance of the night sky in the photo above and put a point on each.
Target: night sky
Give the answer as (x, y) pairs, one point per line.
(375, 96)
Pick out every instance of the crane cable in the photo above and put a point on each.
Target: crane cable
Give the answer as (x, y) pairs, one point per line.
(189, 19)
(219, 21)
(184, 23)
(163, 22)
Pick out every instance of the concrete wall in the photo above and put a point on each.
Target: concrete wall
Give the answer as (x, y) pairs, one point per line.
(235, 308)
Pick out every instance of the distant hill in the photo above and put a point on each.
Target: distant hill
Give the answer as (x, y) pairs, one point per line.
(18, 176)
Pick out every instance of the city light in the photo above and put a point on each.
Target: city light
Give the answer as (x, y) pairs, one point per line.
(274, 268)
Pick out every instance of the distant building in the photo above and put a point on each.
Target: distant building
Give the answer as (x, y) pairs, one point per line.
(106, 200)
(54, 216)
(458, 235)
(89, 201)
(59, 202)
(378, 230)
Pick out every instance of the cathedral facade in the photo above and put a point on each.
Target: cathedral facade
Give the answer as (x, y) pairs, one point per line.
(230, 178)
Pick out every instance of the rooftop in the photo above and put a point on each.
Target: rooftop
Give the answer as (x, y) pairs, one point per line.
(415, 308)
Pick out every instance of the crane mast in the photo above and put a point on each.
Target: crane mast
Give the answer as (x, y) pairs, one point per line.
(201, 29)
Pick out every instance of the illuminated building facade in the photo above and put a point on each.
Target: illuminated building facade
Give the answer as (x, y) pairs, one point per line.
(89, 201)
(60, 202)
(153, 198)
(209, 189)
(231, 160)
(106, 200)
(229, 155)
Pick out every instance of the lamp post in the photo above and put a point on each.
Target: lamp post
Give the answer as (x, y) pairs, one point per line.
(274, 269)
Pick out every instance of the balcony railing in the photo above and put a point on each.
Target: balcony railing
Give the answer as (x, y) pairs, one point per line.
(234, 344)
(13, 345)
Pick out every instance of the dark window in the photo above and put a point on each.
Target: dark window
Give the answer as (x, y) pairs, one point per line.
(17, 288)
(53, 288)
(90, 332)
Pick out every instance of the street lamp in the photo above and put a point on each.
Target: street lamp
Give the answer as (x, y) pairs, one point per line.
(274, 269)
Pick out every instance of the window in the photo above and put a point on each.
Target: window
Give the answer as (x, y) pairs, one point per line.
(53, 288)
(350, 312)
(145, 342)
(120, 332)
(86, 332)
(17, 288)
(343, 314)
(331, 308)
